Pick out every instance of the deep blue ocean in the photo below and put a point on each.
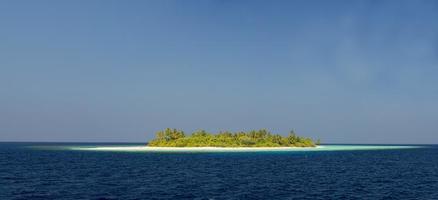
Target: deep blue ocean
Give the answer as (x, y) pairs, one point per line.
(30, 172)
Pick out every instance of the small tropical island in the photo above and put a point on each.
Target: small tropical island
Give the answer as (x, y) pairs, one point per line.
(254, 138)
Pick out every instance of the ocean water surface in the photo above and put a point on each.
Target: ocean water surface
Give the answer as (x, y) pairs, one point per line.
(80, 171)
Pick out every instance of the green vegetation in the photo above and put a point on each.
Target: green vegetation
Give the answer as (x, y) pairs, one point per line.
(255, 138)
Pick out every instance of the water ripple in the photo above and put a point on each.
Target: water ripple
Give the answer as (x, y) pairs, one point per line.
(38, 173)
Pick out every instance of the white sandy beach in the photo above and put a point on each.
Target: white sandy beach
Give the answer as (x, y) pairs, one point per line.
(238, 149)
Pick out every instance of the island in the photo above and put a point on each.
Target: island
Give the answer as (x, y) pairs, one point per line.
(254, 138)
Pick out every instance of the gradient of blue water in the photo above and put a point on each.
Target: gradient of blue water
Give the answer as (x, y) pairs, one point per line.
(52, 173)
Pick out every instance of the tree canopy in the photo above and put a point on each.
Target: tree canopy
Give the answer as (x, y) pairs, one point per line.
(254, 138)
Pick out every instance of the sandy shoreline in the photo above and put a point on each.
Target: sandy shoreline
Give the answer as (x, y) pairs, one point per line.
(191, 149)
(237, 149)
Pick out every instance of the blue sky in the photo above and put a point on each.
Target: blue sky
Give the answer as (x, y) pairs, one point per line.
(117, 71)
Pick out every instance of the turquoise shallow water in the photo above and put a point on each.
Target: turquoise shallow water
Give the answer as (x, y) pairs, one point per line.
(143, 148)
(56, 171)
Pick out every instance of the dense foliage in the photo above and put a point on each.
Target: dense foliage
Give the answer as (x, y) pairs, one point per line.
(255, 138)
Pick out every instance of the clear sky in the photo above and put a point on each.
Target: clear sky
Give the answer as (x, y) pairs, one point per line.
(117, 71)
